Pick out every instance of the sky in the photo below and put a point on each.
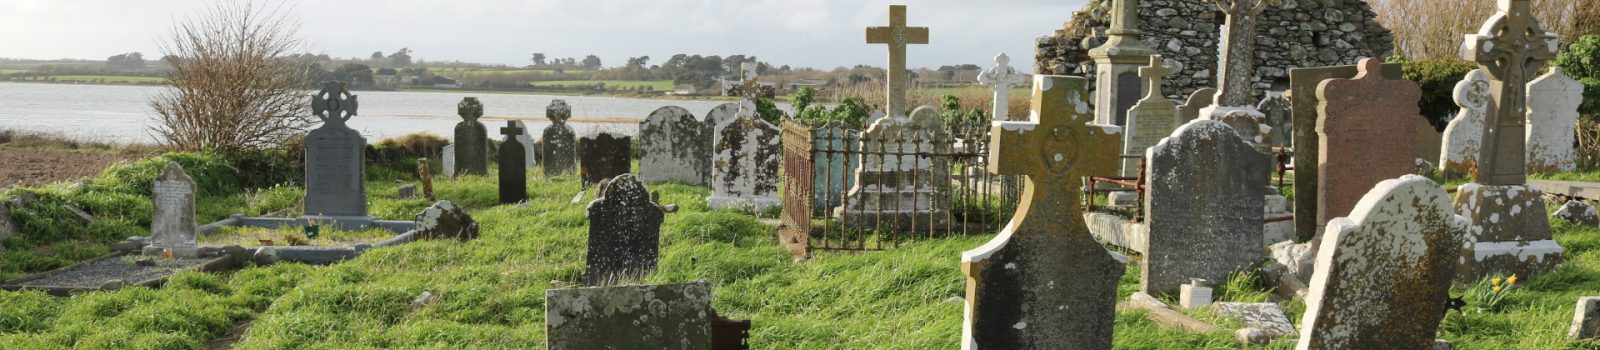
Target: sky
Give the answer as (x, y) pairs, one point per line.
(801, 33)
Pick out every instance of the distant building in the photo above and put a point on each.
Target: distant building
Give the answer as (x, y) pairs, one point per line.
(439, 81)
(685, 89)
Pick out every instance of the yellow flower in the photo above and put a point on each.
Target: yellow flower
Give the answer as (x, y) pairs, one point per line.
(1495, 281)
(1512, 280)
(1496, 289)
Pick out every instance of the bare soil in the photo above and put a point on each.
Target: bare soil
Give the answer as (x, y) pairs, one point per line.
(28, 166)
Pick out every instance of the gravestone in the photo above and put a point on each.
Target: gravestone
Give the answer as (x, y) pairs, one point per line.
(1384, 272)
(1153, 118)
(894, 188)
(1204, 199)
(1001, 78)
(1366, 132)
(745, 162)
(448, 155)
(1553, 101)
(1303, 102)
(604, 155)
(1462, 137)
(719, 115)
(672, 144)
(513, 172)
(336, 185)
(528, 157)
(558, 144)
(1585, 319)
(1425, 146)
(1191, 107)
(671, 316)
(172, 226)
(1043, 282)
(1276, 109)
(472, 139)
(837, 153)
(624, 232)
(1116, 64)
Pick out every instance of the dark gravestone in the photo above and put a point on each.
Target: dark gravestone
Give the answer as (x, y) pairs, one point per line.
(604, 156)
(1276, 108)
(624, 232)
(1303, 106)
(335, 168)
(513, 166)
(672, 316)
(1203, 204)
(1191, 107)
(1129, 89)
(672, 144)
(471, 139)
(559, 143)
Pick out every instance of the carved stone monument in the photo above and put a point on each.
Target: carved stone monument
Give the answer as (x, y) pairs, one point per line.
(471, 139)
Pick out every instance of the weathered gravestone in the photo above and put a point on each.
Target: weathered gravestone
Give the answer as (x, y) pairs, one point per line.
(1384, 272)
(895, 187)
(1425, 145)
(1043, 282)
(1510, 228)
(173, 225)
(1191, 107)
(1366, 134)
(604, 155)
(745, 162)
(1276, 109)
(1303, 102)
(1153, 118)
(1001, 78)
(1458, 153)
(624, 232)
(671, 316)
(558, 144)
(719, 115)
(472, 139)
(1585, 319)
(1553, 101)
(1204, 200)
(336, 185)
(513, 172)
(528, 159)
(673, 147)
(448, 159)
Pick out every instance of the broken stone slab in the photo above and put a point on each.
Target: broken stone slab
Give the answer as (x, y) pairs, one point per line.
(1263, 322)
(1287, 284)
(1578, 212)
(1586, 319)
(406, 191)
(671, 316)
(445, 220)
(79, 214)
(1165, 315)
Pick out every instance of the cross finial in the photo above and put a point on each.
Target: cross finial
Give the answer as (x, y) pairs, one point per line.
(1057, 145)
(334, 105)
(558, 112)
(896, 36)
(511, 129)
(1125, 18)
(1154, 74)
(1001, 78)
(469, 109)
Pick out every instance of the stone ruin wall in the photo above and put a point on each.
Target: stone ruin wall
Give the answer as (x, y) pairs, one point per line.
(1300, 33)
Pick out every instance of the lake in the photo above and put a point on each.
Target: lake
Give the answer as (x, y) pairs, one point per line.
(123, 114)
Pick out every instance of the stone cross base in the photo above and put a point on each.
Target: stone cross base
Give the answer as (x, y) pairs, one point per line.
(1525, 259)
(1509, 233)
(896, 198)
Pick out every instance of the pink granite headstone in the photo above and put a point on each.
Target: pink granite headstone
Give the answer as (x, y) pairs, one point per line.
(1367, 126)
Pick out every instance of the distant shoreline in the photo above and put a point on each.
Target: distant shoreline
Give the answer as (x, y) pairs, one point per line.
(431, 89)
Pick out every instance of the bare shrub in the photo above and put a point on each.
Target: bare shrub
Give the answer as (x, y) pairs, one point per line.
(233, 85)
(1429, 29)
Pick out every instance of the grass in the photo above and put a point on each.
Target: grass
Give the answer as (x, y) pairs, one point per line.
(657, 85)
(253, 236)
(489, 291)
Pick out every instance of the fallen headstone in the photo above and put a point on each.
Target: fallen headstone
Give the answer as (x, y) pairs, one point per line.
(1578, 212)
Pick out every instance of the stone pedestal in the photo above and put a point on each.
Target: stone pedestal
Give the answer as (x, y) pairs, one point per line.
(1510, 232)
(895, 189)
(1196, 294)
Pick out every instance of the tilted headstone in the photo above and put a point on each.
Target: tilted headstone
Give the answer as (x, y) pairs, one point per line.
(895, 187)
(624, 232)
(1366, 131)
(670, 316)
(448, 158)
(1043, 282)
(1384, 272)
(1153, 118)
(172, 226)
(1585, 319)
(673, 144)
(745, 162)
(604, 155)
(513, 172)
(1001, 78)
(1553, 101)
(336, 183)
(558, 144)
(1191, 107)
(1303, 102)
(1204, 198)
(1276, 108)
(1462, 137)
(472, 139)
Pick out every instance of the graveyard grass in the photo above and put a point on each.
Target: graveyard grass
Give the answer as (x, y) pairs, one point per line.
(490, 291)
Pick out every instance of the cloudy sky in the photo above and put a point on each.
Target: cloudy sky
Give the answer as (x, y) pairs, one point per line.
(812, 33)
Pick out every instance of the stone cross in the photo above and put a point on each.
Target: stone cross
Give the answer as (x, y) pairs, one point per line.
(511, 129)
(469, 109)
(1511, 47)
(1001, 78)
(1043, 282)
(1155, 74)
(1233, 79)
(334, 166)
(334, 105)
(513, 171)
(897, 35)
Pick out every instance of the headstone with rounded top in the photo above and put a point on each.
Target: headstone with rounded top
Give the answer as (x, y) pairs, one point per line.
(1204, 200)
(672, 146)
(1553, 101)
(558, 144)
(471, 139)
(624, 232)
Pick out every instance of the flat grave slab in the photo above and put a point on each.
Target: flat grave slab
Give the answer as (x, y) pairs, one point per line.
(114, 271)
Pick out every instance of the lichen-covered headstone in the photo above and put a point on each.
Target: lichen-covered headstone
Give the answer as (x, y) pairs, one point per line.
(1366, 134)
(1204, 200)
(471, 139)
(1384, 272)
(1043, 282)
(1303, 103)
(336, 184)
(445, 220)
(513, 172)
(558, 144)
(1586, 319)
(604, 156)
(624, 232)
(1553, 101)
(172, 226)
(671, 316)
(1191, 107)
(673, 147)
(1462, 137)
(745, 162)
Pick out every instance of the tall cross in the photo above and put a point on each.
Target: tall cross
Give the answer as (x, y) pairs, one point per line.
(1125, 18)
(470, 109)
(334, 105)
(1511, 48)
(1154, 74)
(511, 130)
(750, 89)
(1001, 77)
(1238, 51)
(897, 35)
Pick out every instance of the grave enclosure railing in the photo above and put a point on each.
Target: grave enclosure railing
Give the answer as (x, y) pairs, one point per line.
(943, 190)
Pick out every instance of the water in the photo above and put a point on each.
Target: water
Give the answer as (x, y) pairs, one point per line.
(123, 113)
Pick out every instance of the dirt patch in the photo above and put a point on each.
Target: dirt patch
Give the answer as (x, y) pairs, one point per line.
(37, 166)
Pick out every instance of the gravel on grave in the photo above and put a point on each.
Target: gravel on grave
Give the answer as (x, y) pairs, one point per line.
(96, 274)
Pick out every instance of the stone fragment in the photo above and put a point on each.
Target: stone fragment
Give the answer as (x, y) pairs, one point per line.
(1195, 294)
(671, 316)
(1578, 212)
(1586, 319)
(1263, 321)
(445, 220)
(406, 191)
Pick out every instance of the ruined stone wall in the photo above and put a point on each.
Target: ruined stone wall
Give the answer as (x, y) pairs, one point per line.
(1300, 33)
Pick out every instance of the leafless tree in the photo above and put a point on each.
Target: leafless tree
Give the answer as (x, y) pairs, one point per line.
(1425, 29)
(233, 85)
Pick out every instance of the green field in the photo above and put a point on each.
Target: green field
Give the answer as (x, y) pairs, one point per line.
(477, 73)
(110, 79)
(490, 290)
(657, 85)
